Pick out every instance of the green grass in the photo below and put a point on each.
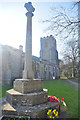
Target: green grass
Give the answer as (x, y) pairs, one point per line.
(3, 90)
(62, 89)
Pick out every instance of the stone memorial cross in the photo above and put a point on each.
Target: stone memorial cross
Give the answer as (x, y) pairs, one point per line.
(28, 71)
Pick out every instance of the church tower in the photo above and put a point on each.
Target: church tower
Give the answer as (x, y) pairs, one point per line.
(48, 50)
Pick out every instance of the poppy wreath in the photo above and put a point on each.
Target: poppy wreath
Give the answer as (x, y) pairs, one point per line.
(52, 113)
(55, 99)
(52, 99)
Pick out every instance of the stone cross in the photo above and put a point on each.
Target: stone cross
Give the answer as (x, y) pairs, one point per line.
(28, 71)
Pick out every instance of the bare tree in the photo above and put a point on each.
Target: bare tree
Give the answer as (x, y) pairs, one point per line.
(71, 54)
(65, 68)
(79, 37)
(63, 22)
(66, 24)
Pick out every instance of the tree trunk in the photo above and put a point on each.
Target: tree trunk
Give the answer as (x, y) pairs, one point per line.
(73, 69)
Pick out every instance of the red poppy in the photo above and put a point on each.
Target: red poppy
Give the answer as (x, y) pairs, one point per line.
(52, 99)
(62, 99)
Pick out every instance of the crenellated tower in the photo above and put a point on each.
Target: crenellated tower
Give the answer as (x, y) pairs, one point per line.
(48, 50)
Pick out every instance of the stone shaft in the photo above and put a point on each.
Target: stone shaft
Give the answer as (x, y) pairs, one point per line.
(28, 71)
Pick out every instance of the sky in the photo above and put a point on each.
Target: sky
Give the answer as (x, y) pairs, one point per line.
(13, 22)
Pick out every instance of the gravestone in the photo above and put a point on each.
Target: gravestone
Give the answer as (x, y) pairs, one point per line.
(28, 98)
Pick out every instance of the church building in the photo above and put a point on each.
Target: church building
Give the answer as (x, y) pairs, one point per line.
(45, 67)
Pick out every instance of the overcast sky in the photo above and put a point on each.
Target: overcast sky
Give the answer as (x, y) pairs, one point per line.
(13, 22)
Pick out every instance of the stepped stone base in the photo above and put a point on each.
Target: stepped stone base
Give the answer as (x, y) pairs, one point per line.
(37, 111)
(29, 99)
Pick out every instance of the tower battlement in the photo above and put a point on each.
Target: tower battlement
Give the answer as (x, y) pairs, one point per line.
(48, 37)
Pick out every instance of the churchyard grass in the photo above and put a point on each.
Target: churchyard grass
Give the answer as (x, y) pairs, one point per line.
(62, 89)
(3, 89)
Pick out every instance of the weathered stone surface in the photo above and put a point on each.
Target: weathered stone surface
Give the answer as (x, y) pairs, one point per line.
(30, 99)
(28, 85)
(28, 71)
(38, 111)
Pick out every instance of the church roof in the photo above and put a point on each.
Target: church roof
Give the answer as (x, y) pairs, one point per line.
(35, 58)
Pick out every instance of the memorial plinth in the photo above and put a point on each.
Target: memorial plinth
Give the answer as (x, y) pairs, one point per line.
(27, 94)
(28, 85)
(37, 111)
(28, 98)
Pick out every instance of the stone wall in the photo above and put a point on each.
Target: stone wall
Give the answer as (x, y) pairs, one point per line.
(11, 64)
